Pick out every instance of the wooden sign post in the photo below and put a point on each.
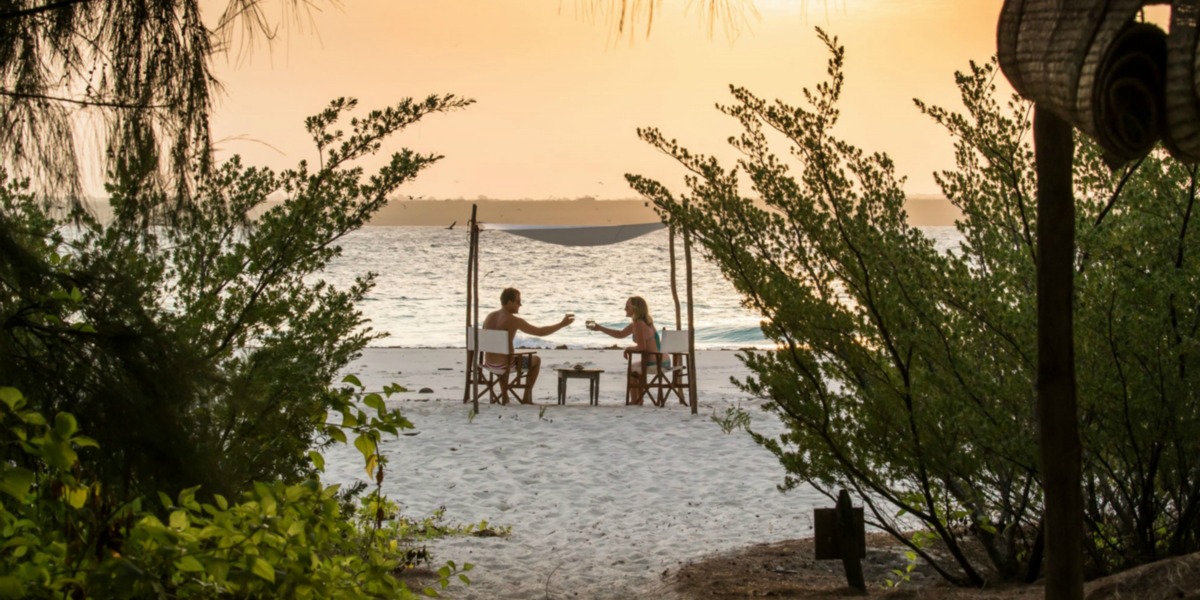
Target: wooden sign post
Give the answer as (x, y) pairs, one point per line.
(839, 533)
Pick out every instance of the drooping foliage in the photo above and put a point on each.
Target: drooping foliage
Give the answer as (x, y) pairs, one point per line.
(906, 372)
(117, 89)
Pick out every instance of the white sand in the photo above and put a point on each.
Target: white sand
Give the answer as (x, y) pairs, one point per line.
(604, 501)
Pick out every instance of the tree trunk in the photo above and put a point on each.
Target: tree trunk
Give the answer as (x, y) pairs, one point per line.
(1058, 426)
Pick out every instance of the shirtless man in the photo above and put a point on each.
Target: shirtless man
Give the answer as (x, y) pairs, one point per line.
(506, 319)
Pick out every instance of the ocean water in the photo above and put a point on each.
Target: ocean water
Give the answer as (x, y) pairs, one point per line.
(420, 297)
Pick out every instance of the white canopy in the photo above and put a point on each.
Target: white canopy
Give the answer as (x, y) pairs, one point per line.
(582, 235)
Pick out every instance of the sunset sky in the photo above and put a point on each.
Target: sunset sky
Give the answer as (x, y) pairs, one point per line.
(559, 94)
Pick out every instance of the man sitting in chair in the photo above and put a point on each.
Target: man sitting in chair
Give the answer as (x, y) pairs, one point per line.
(506, 319)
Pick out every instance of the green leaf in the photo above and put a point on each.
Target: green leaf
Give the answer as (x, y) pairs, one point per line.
(375, 401)
(11, 587)
(218, 570)
(365, 445)
(187, 498)
(263, 569)
(77, 496)
(336, 434)
(179, 520)
(15, 481)
(352, 380)
(12, 397)
(269, 505)
(189, 564)
(317, 459)
(84, 441)
(65, 425)
(59, 454)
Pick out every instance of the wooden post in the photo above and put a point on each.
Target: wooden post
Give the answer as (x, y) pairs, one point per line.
(1057, 414)
(472, 304)
(471, 245)
(475, 230)
(850, 538)
(691, 365)
(839, 533)
(478, 231)
(674, 278)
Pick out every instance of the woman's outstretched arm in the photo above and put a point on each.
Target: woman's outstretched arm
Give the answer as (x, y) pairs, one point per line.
(617, 333)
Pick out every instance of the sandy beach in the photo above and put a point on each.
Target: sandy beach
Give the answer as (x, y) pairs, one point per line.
(603, 501)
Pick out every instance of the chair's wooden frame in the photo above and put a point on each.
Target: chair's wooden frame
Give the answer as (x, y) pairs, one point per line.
(656, 383)
(500, 384)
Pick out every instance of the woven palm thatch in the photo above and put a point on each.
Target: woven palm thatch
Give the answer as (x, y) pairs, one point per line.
(1182, 135)
(1090, 63)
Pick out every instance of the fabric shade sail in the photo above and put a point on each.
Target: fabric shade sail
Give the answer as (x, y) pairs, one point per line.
(583, 235)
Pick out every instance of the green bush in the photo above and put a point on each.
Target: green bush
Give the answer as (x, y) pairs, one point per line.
(59, 537)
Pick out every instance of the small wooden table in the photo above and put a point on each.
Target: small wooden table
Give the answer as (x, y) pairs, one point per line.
(593, 377)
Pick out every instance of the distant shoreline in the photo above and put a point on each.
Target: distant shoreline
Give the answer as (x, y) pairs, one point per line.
(923, 211)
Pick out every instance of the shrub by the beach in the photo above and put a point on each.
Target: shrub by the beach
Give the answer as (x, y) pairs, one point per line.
(278, 540)
(907, 374)
(200, 352)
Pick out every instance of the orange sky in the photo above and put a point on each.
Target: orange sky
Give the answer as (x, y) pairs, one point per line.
(559, 97)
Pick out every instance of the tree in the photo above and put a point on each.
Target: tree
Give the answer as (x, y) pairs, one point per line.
(907, 374)
(190, 336)
(201, 353)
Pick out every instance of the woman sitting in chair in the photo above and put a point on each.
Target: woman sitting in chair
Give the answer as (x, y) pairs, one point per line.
(645, 339)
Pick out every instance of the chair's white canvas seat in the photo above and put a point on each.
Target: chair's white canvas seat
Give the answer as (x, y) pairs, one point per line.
(499, 382)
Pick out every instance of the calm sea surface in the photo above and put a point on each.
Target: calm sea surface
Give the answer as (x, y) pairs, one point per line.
(420, 297)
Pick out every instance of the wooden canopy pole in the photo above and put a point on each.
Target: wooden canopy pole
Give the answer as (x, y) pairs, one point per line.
(1057, 414)
(475, 231)
(674, 278)
(470, 265)
(472, 303)
(687, 261)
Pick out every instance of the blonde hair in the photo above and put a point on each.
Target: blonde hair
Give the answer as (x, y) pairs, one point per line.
(641, 310)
